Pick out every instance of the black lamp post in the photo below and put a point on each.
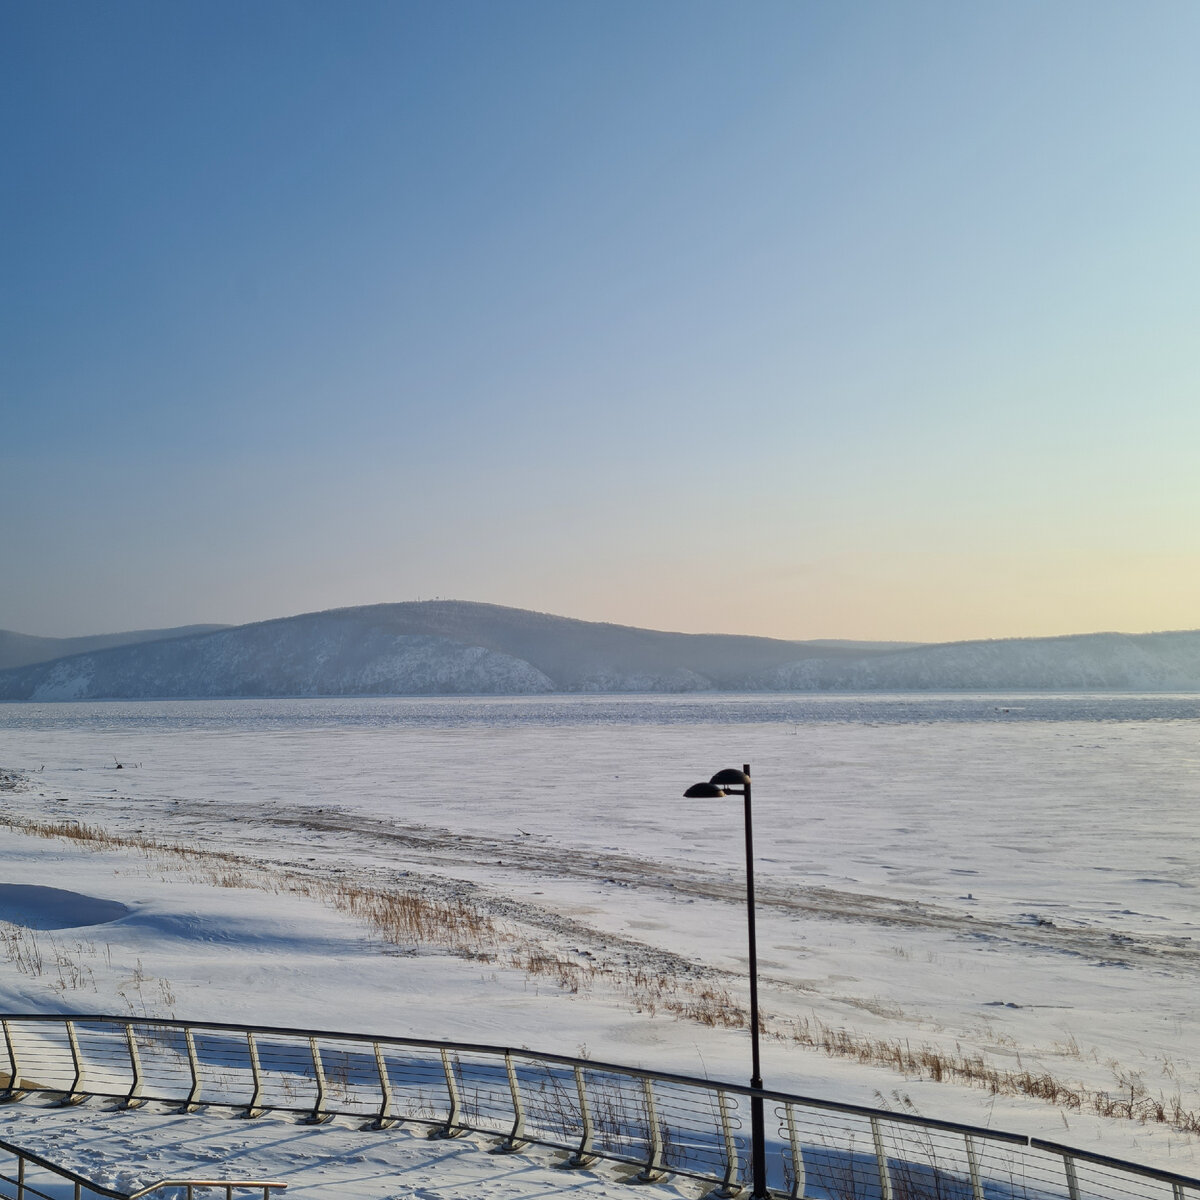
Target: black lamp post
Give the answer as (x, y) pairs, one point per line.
(731, 782)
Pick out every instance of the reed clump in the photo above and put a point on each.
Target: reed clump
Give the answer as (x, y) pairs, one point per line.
(404, 918)
(1132, 1102)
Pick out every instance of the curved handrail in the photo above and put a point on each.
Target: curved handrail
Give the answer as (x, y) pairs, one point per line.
(658, 1121)
(492, 1049)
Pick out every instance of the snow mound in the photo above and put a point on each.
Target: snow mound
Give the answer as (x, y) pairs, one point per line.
(38, 907)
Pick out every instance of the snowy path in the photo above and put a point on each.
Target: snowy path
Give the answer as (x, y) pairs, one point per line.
(127, 1149)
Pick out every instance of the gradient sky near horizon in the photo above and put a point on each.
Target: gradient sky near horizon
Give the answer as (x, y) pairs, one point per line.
(810, 318)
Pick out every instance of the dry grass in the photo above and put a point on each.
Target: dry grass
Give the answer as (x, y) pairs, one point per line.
(397, 917)
(42, 956)
(970, 1068)
(404, 918)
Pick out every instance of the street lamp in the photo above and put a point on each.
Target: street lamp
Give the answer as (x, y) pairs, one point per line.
(732, 782)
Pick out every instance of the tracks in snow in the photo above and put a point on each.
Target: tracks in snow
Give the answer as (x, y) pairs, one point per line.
(443, 850)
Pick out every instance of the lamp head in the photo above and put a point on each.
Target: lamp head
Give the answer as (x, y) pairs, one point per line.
(730, 777)
(704, 791)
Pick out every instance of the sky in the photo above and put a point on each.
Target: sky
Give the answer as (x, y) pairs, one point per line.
(805, 319)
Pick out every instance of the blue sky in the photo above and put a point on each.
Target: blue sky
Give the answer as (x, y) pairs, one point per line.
(804, 319)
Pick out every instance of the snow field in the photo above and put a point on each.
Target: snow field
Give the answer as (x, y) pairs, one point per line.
(1020, 895)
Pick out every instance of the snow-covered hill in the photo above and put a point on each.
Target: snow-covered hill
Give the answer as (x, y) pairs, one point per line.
(421, 648)
(1099, 661)
(459, 648)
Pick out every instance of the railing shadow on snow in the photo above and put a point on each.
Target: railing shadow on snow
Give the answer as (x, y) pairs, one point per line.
(38, 1178)
(657, 1123)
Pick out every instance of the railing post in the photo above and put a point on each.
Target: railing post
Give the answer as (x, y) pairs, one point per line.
(13, 1092)
(729, 1185)
(451, 1128)
(973, 1168)
(1072, 1178)
(20, 1179)
(653, 1171)
(885, 1176)
(193, 1098)
(254, 1109)
(515, 1140)
(133, 1100)
(798, 1179)
(74, 1096)
(583, 1156)
(318, 1116)
(385, 1120)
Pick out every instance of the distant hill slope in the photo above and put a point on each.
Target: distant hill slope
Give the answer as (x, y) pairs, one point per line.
(454, 647)
(21, 649)
(1148, 662)
(418, 648)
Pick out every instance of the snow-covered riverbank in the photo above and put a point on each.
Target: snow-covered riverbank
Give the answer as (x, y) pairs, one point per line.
(1020, 895)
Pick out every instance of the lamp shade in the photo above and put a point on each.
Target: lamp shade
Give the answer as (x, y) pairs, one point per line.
(730, 777)
(704, 791)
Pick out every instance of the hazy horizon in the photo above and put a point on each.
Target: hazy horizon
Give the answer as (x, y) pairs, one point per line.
(810, 321)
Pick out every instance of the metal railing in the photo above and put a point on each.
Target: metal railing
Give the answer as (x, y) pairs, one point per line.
(657, 1123)
(53, 1176)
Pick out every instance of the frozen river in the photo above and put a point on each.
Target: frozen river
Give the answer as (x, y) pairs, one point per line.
(1077, 808)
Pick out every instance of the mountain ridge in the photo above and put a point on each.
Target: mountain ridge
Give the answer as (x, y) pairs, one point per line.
(449, 647)
(25, 649)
